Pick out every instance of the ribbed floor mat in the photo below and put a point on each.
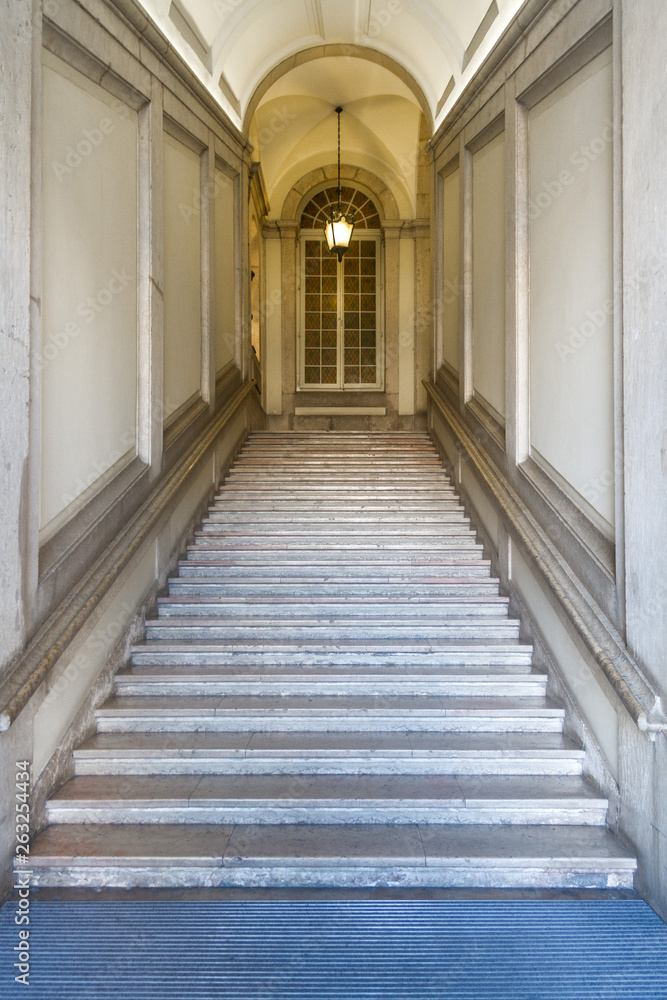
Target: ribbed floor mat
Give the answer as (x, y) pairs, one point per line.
(544, 950)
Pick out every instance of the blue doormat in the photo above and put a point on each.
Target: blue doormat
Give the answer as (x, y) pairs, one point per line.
(543, 950)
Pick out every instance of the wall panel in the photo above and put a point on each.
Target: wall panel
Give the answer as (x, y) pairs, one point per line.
(88, 357)
(451, 291)
(182, 274)
(488, 198)
(225, 271)
(571, 283)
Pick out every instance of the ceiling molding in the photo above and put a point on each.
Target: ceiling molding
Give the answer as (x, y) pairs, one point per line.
(481, 33)
(315, 18)
(362, 19)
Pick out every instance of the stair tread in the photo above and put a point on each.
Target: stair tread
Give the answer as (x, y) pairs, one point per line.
(322, 744)
(443, 790)
(364, 602)
(434, 705)
(487, 644)
(341, 619)
(356, 845)
(363, 672)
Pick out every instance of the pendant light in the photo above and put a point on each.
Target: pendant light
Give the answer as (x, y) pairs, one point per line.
(339, 227)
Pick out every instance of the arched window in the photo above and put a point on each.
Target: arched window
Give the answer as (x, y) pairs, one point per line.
(341, 329)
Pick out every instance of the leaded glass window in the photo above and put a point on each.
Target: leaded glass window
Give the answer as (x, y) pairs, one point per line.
(341, 314)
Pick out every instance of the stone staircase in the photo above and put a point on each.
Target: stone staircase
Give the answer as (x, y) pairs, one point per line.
(332, 694)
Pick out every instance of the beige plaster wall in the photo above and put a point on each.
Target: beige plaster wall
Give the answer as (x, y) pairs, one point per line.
(570, 144)
(182, 275)
(225, 273)
(488, 272)
(88, 357)
(451, 267)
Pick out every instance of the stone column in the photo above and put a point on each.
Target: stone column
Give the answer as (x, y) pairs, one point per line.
(19, 320)
(391, 231)
(516, 280)
(242, 258)
(423, 309)
(208, 194)
(289, 296)
(272, 315)
(465, 316)
(150, 416)
(643, 41)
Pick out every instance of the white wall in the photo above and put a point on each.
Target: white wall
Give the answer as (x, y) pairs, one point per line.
(88, 358)
(488, 194)
(225, 277)
(451, 291)
(182, 275)
(571, 283)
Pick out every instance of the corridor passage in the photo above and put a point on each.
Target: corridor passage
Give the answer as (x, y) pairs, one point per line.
(333, 693)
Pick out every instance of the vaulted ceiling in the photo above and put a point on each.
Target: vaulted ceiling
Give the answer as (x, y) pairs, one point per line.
(279, 67)
(234, 44)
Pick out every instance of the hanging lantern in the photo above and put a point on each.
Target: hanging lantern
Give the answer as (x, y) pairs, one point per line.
(339, 226)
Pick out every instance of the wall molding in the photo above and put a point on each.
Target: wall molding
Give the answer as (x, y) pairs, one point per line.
(587, 620)
(61, 628)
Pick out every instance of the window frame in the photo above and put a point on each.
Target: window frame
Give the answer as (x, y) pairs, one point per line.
(374, 235)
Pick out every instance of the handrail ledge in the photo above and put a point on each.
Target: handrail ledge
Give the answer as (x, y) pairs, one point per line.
(59, 630)
(635, 691)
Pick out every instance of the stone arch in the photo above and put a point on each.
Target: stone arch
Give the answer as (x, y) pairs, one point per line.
(316, 180)
(338, 49)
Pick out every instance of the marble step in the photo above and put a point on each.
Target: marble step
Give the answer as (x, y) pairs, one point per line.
(369, 607)
(394, 479)
(220, 588)
(329, 630)
(421, 570)
(340, 555)
(326, 798)
(328, 753)
(382, 656)
(363, 450)
(365, 544)
(336, 441)
(328, 507)
(298, 491)
(332, 694)
(330, 529)
(352, 856)
(357, 466)
(308, 684)
(252, 520)
(329, 713)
